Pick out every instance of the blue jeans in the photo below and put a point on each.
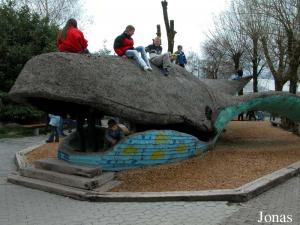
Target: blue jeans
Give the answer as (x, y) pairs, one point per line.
(61, 126)
(54, 133)
(142, 59)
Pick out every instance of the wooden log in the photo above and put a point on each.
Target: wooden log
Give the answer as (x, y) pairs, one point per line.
(61, 166)
(66, 179)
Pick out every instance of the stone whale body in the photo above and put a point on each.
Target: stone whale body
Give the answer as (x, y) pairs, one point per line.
(180, 115)
(62, 82)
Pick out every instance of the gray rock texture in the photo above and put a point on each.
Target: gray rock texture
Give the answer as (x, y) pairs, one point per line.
(75, 83)
(66, 82)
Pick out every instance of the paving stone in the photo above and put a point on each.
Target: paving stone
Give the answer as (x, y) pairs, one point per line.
(3, 180)
(284, 199)
(26, 206)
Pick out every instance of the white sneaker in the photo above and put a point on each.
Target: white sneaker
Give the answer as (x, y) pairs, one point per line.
(149, 68)
(146, 68)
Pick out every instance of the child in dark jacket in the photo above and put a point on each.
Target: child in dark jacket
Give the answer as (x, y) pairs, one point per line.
(156, 56)
(114, 133)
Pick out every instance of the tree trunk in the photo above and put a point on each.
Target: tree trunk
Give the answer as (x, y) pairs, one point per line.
(169, 26)
(255, 83)
(216, 74)
(293, 71)
(277, 74)
(293, 85)
(236, 60)
(158, 30)
(278, 84)
(255, 64)
(294, 60)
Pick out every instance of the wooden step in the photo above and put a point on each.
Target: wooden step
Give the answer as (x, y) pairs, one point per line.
(108, 186)
(58, 189)
(67, 168)
(67, 179)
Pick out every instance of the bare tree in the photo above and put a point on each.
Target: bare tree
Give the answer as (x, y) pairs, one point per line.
(194, 63)
(58, 11)
(251, 25)
(104, 50)
(169, 26)
(228, 37)
(274, 47)
(287, 15)
(214, 58)
(285, 19)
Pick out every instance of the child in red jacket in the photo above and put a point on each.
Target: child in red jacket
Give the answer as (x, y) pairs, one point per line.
(123, 45)
(71, 39)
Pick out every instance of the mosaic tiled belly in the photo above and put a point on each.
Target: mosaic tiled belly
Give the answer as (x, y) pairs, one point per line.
(141, 149)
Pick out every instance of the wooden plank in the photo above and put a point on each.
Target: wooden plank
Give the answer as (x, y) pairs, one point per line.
(37, 125)
(108, 186)
(67, 168)
(58, 189)
(66, 179)
(35, 128)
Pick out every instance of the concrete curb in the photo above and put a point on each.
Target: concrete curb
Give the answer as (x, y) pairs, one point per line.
(240, 194)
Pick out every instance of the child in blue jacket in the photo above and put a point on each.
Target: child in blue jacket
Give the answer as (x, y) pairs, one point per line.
(180, 57)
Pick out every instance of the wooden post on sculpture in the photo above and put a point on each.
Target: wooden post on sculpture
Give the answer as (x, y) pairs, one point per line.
(169, 26)
(158, 32)
(172, 34)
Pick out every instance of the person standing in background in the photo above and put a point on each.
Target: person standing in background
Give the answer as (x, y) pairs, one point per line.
(54, 124)
(180, 57)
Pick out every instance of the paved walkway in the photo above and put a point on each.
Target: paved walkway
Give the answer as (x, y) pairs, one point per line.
(281, 200)
(23, 206)
(8, 148)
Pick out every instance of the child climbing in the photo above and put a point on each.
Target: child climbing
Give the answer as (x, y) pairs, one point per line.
(113, 134)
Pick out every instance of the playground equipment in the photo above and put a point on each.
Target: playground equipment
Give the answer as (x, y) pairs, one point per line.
(174, 117)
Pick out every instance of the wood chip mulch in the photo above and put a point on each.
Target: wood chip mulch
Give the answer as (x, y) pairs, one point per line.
(48, 150)
(246, 151)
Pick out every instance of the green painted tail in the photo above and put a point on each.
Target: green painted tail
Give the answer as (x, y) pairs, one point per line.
(280, 103)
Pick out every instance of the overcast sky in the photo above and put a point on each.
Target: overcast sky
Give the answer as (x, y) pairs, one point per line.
(110, 17)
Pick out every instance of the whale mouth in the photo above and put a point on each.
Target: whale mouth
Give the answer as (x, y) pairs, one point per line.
(60, 107)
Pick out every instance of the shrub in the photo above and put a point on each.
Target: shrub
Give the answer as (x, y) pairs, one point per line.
(20, 114)
(23, 35)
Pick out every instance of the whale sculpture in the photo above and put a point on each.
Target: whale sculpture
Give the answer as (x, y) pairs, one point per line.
(174, 117)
